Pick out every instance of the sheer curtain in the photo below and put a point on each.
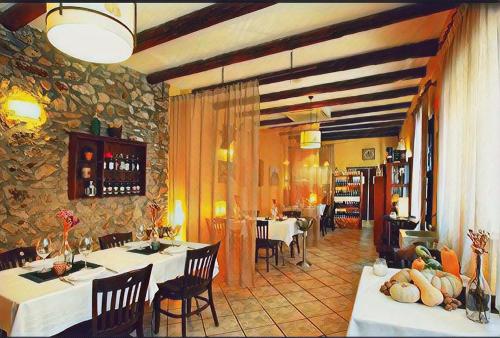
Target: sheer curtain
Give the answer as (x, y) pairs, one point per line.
(416, 179)
(469, 141)
(213, 172)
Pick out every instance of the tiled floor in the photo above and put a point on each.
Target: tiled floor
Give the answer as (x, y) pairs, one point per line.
(288, 301)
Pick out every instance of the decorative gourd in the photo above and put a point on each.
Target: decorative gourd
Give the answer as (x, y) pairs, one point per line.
(422, 252)
(418, 264)
(431, 263)
(450, 262)
(402, 276)
(430, 295)
(444, 281)
(405, 292)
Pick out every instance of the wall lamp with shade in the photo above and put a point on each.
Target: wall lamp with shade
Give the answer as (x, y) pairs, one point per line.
(179, 216)
(93, 32)
(313, 198)
(21, 106)
(220, 209)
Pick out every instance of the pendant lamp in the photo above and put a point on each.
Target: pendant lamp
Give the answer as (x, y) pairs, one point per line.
(93, 32)
(310, 139)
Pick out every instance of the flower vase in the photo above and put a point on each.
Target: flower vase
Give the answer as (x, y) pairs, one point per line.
(478, 295)
(66, 252)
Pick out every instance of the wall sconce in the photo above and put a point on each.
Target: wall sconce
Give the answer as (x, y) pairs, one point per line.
(21, 106)
(220, 209)
(178, 213)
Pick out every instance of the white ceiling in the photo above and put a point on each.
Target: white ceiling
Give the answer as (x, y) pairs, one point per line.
(278, 21)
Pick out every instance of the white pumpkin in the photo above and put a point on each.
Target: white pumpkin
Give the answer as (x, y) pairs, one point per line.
(405, 292)
(402, 276)
(444, 281)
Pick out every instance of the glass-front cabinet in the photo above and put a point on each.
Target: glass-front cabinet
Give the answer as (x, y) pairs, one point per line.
(398, 187)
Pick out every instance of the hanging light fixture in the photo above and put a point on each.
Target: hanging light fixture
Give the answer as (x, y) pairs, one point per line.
(310, 139)
(93, 32)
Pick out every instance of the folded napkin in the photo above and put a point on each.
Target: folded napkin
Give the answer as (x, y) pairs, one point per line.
(136, 245)
(86, 274)
(175, 249)
(37, 264)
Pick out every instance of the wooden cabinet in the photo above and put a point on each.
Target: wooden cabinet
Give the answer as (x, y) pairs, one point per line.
(89, 164)
(398, 182)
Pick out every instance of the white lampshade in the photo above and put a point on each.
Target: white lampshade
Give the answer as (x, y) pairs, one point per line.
(310, 139)
(92, 32)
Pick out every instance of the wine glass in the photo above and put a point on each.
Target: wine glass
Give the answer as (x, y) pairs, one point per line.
(140, 232)
(43, 249)
(85, 248)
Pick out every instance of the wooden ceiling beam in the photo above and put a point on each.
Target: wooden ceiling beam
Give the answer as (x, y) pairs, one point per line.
(275, 121)
(195, 21)
(21, 14)
(375, 118)
(391, 131)
(364, 126)
(413, 50)
(366, 81)
(322, 34)
(389, 94)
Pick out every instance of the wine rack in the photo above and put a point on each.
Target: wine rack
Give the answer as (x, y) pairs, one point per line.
(116, 167)
(348, 199)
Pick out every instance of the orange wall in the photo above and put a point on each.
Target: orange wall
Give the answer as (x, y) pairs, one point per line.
(271, 153)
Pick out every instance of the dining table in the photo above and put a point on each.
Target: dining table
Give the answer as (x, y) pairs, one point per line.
(375, 314)
(282, 229)
(31, 307)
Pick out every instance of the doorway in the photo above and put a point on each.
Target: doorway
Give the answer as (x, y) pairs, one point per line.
(368, 174)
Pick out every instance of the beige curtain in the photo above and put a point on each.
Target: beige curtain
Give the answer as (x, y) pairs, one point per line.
(469, 141)
(213, 172)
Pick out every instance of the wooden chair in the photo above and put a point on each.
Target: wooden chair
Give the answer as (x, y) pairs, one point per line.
(17, 257)
(263, 242)
(126, 294)
(295, 242)
(217, 229)
(197, 278)
(324, 221)
(114, 240)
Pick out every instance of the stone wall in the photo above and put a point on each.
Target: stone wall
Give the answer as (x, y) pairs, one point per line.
(33, 164)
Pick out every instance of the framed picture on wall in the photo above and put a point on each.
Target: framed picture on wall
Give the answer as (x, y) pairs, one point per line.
(368, 154)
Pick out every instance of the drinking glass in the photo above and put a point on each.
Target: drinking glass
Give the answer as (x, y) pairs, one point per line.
(85, 248)
(380, 267)
(140, 232)
(43, 249)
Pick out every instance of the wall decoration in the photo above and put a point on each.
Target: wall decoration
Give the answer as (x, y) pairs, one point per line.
(274, 176)
(368, 154)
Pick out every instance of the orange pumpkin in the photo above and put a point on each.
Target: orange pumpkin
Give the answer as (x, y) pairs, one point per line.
(449, 260)
(418, 264)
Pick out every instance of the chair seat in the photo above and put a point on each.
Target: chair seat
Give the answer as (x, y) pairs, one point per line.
(266, 243)
(84, 329)
(173, 289)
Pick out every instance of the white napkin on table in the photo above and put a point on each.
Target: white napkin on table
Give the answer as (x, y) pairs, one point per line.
(175, 249)
(85, 274)
(136, 245)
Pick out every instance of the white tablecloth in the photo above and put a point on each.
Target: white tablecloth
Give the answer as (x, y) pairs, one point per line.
(282, 230)
(375, 314)
(31, 309)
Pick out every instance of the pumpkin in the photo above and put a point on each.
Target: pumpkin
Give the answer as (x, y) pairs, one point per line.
(444, 281)
(402, 276)
(418, 264)
(405, 292)
(449, 261)
(430, 295)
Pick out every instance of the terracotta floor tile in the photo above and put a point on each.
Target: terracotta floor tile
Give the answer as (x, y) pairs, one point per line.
(222, 308)
(193, 329)
(331, 280)
(337, 304)
(285, 314)
(345, 314)
(288, 287)
(310, 283)
(330, 323)
(275, 301)
(238, 333)
(263, 291)
(273, 280)
(226, 324)
(323, 292)
(300, 328)
(299, 297)
(251, 320)
(339, 334)
(264, 331)
(298, 276)
(345, 288)
(319, 273)
(261, 281)
(313, 309)
(245, 305)
(238, 294)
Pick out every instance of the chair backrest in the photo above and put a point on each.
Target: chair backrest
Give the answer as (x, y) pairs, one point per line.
(114, 240)
(199, 268)
(17, 257)
(217, 225)
(118, 302)
(262, 230)
(292, 213)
